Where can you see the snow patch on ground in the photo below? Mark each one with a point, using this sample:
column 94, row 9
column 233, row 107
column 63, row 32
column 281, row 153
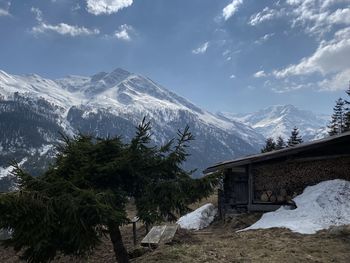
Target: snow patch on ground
column 199, row 218
column 318, row 207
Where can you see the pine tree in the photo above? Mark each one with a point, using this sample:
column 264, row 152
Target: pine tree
column 333, row 126
column 280, row 144
column 270, row 146
column 294, row 138
column 83, row 195
column 338, row 121
column 347, row 111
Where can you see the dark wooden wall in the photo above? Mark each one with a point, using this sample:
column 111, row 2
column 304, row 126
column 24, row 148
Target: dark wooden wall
column 235, row 192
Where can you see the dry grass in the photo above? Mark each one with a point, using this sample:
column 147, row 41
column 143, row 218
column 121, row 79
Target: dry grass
column 211, row 199
column 221, row 243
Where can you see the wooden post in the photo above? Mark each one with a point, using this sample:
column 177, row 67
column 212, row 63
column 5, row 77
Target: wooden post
column 134, row 233
column 220, row 203
column 250, row 187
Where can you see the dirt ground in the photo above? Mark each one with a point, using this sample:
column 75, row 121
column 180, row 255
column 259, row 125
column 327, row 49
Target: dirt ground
column 221, row 243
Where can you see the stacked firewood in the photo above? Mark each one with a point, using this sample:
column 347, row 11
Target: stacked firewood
column 280, row 182
column 280, row 196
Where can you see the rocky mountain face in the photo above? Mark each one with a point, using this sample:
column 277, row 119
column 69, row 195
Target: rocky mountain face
column 35, row 110
column 279, row 120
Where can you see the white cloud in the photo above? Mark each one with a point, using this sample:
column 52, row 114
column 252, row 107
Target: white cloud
column 327, row 3
column 231, row 9
column 330, row 60
column 38, row 14
column 264, row 38
column 124, row 32
column 201, row 49
column 318, row 17
column 5, row 9
column 233, row 76
column 342, row 34
column 328, row 66
column 76, row 7
column 102, row 7
column 286, row 85
column 4, row 12
column 340, row 16
column 61, row 28
column 64, row 29
column 330, row 57
column 250, row 87
column 315, row 17
column 260, row 74
column 336, row 82
column 227, row 55
column 265, row 15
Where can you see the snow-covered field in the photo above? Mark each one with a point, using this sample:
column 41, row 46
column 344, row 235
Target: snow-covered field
column 318, row 207
column 199, row 218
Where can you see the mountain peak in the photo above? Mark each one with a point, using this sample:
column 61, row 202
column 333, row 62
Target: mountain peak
column 280, row 107
column 114, row 77
column 33, row 76
column 98, row 76
column 279, row 120
column 3, row 73
column 4, row 76
column 120, row 71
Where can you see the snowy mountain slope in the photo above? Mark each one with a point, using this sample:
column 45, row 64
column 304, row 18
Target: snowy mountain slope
column 279, row 120
column 106, row 104
column 35, row 86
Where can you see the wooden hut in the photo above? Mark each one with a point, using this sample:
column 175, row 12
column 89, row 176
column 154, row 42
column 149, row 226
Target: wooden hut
column 264, row 182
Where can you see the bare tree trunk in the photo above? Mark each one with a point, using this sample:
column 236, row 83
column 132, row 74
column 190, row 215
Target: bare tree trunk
column 119, row 249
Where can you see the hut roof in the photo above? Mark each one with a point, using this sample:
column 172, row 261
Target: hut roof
column 300, row 148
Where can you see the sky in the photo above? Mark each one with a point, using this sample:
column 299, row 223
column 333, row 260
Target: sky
column 222, row 55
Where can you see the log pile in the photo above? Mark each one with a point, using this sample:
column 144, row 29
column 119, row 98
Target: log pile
column 280, row 196
column 280, row 182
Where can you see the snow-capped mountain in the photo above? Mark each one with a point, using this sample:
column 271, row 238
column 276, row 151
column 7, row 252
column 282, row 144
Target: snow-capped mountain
column 33, row 110
column 279, row 120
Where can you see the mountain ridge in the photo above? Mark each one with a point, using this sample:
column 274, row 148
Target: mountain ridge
column 279, row 120
column 108, row 104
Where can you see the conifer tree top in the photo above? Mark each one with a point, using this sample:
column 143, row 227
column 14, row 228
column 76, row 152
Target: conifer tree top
column 295, row 138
